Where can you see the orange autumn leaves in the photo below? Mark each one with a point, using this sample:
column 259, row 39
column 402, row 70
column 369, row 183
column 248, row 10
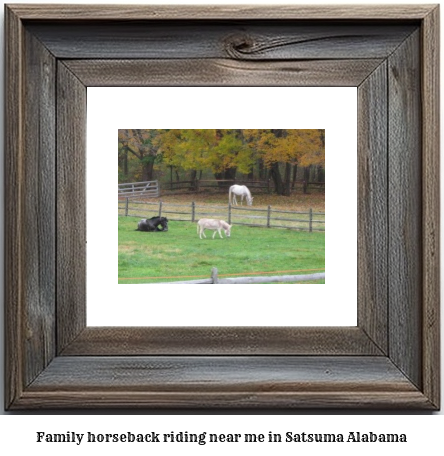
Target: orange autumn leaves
column 303, row 147
column 221, row 149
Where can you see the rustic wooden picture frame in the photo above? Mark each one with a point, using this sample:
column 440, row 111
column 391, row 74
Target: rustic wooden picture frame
column 390, row 360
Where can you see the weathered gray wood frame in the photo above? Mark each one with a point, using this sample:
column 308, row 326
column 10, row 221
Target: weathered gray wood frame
column 390, row 360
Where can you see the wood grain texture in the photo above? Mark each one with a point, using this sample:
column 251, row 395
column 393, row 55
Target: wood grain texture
column 430, row 93
column 234, row 382
column 71, row 206
column 206, row 373
column 221, row 72
column 30, row 223
column 127, row 341
column 372, row 207
column 13, row 210
column 219, row 12
column 263, row 40
column 405, row 209
column 259, row 401
column 38, row 222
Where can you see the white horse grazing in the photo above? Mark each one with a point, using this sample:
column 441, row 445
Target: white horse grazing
column 213, row 224
column 239, row 190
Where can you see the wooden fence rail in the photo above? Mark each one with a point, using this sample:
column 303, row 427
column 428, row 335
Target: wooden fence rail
column 216, row 184
column 257, row 186
column 248, row 216
column 215, row 279
column 133, row 189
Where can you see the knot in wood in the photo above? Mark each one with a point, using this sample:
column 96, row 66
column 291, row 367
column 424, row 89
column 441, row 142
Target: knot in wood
column 239, row 46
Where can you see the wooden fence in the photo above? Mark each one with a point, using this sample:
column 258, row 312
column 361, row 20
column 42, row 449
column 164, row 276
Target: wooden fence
column 239, row 215
column 219, row 185
column 222, row 185
column 132, row 189
column 214, row 279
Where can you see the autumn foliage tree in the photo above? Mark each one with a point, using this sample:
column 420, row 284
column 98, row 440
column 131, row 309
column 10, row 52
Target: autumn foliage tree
column 221, row 151
column 289, row 147
column 226, row 151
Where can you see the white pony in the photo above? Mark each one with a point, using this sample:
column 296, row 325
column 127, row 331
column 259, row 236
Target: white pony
column 239, row 190
column 213, row 224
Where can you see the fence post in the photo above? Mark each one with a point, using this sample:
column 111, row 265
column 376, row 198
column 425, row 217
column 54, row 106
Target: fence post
column 193, row 211
column 229, row 213
column 310, row 222
column 126, row 207
column 214, row 275
column 160, row 208
column 268, row 216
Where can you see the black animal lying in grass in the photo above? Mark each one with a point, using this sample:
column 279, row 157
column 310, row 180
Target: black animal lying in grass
column 152, row 224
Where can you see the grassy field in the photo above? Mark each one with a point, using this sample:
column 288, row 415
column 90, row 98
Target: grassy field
column 179, row 254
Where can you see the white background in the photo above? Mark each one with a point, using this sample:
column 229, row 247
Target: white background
column 329, row 304
column 17, row 432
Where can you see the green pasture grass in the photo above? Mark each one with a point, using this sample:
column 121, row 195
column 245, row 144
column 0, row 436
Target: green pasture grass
column 179, row 254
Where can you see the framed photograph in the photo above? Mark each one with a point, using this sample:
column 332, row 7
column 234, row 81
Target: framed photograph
column 57, row 55
column 278, row 238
